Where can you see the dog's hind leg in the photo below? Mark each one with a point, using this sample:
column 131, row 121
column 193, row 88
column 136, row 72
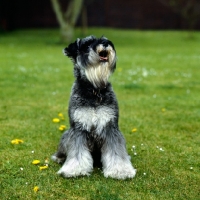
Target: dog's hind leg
column 79, row 160
column 61, row 154
column 58, row 157
column 115, row 160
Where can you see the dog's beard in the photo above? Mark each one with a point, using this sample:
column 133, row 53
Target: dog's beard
column 98, row 75
column 99, row 69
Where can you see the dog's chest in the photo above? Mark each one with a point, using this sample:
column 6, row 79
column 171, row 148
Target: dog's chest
column 94, row 118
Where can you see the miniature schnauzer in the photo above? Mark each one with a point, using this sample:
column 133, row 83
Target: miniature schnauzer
column 94, row 135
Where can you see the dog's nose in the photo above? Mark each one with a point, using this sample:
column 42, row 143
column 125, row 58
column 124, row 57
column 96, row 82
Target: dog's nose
column 103, row 53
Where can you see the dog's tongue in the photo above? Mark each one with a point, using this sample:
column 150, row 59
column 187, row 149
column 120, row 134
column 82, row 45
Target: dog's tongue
column 103, row 58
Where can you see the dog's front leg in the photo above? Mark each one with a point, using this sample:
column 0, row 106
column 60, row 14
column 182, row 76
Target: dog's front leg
column 115, row 160
column 79, row 160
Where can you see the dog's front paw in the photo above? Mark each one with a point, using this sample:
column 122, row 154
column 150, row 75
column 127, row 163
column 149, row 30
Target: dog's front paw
column 73, row 168
column 67, row 173
column 122, row 171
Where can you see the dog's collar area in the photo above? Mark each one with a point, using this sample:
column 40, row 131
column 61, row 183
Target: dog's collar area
column 94, row 93
column 98, row 94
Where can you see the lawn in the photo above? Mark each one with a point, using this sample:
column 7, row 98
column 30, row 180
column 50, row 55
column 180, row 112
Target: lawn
column 157, row 83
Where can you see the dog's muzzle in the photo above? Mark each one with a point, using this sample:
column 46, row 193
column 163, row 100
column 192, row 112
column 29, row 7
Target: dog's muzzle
column 103, row 56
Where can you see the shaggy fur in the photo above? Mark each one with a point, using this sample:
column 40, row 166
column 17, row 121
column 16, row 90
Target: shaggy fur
column 94, row 137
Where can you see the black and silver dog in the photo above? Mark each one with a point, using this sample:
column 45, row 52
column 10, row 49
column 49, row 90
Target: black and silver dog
column 94, row 135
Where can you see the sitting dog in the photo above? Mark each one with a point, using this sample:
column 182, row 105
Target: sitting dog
column 93, row 136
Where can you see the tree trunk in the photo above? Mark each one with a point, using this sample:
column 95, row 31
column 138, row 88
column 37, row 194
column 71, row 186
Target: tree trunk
column 68, row 19
column 73, row 11
column 67, row 33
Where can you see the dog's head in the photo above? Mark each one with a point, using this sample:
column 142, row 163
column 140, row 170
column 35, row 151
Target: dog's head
column 94, row 59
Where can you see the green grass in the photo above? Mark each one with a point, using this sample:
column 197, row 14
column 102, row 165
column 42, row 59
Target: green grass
column 157, row 83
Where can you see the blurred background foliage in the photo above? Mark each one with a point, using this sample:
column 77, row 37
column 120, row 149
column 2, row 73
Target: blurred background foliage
column 130, row 14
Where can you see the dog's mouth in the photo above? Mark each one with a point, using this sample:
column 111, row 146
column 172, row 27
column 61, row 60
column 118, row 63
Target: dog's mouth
column 103, row 56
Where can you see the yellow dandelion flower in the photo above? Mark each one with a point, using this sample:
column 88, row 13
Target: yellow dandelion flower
column 134, row 130
column 61, row 116
column 36, row 162
column 16, row 141
column 62, row 127
column 43, row 167
column 163, row 109
column 56, row 120
column 36, row 189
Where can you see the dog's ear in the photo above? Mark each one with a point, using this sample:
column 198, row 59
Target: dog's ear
column 72, row 50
